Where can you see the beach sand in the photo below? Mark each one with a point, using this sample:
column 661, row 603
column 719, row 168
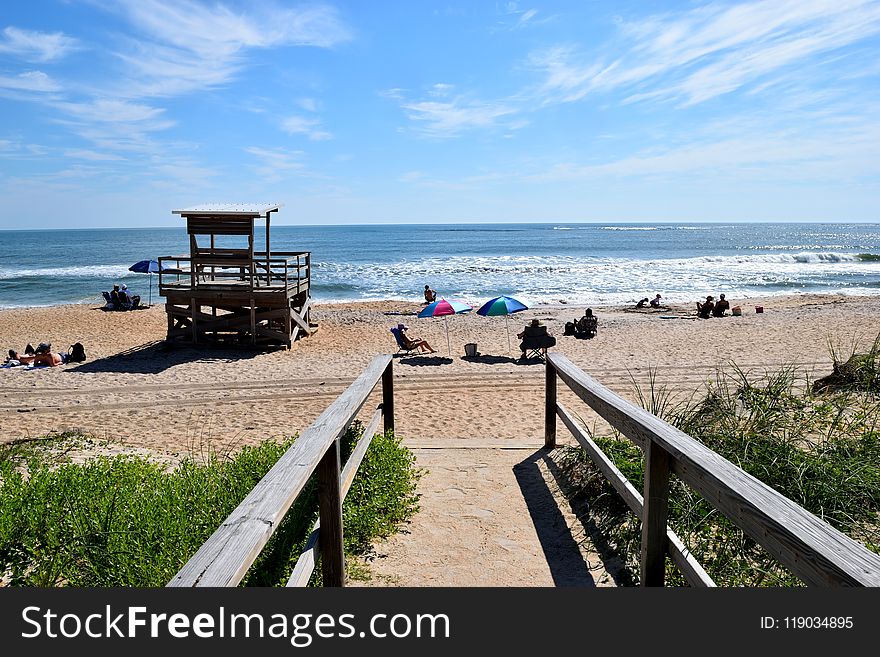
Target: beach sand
column 464, row 418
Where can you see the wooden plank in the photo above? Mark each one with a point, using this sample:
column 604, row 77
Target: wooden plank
column 388, row 396
column 302, row 571
column 193, row 310
column 330, row 517
column 614, row 476
column 225, row 557
column 272, row 334
column 655, row 509
column 681, row 556
column 549, row 406
column 686, row 563
column 810, row 548
column 253, row 311
column 303, row 324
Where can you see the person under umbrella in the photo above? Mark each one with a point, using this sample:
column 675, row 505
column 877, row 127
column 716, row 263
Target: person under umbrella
column 147, row 267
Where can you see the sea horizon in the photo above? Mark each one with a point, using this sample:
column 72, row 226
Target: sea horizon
column 541, row 263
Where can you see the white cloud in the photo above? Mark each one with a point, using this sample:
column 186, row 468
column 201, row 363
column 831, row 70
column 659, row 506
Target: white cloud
column 112, row 111
column 393, row 94
column 85, row 154
column 311, row 128
column 190, row 46
column 36, row 46
column 274, row 162
column 708, row 51
column 744, row 150
column 36, row 81
column 447, row 119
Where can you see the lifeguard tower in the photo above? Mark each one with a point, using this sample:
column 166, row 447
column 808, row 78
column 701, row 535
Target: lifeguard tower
column 225, row 290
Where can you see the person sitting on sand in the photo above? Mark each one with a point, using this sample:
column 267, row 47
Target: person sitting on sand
column 655, row 302
column 721, row 307
column 42, row 355
column 430, row 295
column 704, row 310
column 644, row 302
column 413, row 343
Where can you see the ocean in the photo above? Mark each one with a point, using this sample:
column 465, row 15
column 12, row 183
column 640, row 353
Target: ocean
column 536, row 263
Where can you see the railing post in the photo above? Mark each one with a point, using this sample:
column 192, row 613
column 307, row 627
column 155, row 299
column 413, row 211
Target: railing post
column 330, row 514
column 654, row 512
column 550, row 406
column 388, row 397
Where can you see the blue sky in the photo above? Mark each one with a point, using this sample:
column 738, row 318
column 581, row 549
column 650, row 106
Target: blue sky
column 115, row 113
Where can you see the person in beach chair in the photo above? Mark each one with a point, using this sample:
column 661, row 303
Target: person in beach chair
column 587, row 326
column 407, row 345
column 535, row 340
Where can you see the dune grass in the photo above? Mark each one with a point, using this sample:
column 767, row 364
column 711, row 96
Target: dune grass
column 127, row 521
column 822, row 451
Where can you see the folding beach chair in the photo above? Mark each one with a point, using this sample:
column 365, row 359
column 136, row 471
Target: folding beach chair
column 402, row 349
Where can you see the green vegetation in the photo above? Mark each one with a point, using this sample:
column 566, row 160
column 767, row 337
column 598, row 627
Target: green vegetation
column 125, row 521
column 822, row 451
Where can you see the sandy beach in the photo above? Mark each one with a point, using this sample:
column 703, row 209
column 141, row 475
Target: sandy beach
column 464, row 418
column 134, row 389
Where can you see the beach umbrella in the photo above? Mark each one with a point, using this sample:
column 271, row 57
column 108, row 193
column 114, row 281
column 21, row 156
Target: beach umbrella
column 147, row 267
column 502, row 305
column 443, row 308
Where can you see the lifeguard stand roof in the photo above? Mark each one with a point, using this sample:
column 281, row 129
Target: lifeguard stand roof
column 230, row 209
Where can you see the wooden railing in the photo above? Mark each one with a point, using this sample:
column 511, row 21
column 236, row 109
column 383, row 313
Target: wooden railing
column 810, row 548
column 224, row 559
column 281, row 270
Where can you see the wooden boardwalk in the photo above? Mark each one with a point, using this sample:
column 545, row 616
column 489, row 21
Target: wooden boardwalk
column 490, row 516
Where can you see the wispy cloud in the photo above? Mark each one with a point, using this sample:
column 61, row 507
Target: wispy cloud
column 35, row 81
column 116, row 111
column 36, row 46
column 447, row 119
column 746, row 150
column 188, row 46
column 95, row 156
column 514, row 18
column 273, row 163
column 311, row 128
column 708, row 51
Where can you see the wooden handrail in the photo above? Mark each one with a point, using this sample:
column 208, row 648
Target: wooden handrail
column 302, row 571
column 810, row 548
column 226, row 556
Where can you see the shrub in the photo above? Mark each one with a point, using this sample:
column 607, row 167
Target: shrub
column 823, row 452
column 125, row 521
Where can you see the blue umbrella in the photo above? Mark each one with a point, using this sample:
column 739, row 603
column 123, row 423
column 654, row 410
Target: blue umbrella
column 502, row 305
column 443, row 308
column 147, row 267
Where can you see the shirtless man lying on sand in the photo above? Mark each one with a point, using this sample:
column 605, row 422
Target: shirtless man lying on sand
column 42, row 356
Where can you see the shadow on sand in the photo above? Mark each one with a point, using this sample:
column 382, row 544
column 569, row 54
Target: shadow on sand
column 560, row 546
column 489, row 360
column 423, row 361
column 567, row 566
column 154, row 357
